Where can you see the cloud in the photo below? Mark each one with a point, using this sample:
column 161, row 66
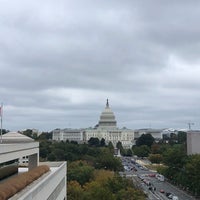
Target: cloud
column 60, row 61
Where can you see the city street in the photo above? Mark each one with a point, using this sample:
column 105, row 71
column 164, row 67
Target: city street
column 147, row 181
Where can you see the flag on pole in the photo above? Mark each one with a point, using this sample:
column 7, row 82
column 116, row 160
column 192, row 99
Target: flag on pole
column 1, row 112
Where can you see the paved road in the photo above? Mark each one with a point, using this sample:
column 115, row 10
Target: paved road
column 136, row 170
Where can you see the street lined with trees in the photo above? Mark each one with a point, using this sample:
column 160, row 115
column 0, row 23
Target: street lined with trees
column 92, row 172
column 179, row 168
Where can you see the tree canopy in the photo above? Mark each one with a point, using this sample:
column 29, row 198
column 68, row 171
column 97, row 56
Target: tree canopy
column 145, row 139
column 94, row 142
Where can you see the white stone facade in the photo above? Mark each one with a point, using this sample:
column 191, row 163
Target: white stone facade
column 125, row 136
column 68, row 134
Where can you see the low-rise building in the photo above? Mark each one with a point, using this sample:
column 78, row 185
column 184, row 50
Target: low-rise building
column 156, row 133
column 68, row 134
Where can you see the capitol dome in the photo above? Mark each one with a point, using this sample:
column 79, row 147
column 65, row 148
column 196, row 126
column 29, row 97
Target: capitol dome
column 107, row 118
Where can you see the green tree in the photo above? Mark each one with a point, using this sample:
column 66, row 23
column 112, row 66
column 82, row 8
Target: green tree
column 80, row 171
column 51, row 157
column 141, row 151
column 107, row 161
column 45, row 136
column 93, row 151
column 71, row 156
column 175, row 157
column 155, row 158
column 182, row 137
column 155, row 148
column 28, row 132
column 83, row 148
column 145, row 139
column 4, row 131
column 164, row 148
column 74, row 191
column 94, row 141
column 43, row 152
column 119, row 146
column 102, row 142
column 130, row 194
column 173, row 139
column 111, row 147
column 129, row 152
column 59, row 154
column 116, row 183
column 97, row 191
column 193, row 176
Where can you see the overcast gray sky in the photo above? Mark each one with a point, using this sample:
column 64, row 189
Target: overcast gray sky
column 60, row 61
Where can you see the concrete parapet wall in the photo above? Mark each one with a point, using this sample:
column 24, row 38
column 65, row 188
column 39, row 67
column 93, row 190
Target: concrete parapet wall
column 8, row 148
column 51, row 186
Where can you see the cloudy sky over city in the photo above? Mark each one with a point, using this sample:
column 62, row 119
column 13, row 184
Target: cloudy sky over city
column 60, row 61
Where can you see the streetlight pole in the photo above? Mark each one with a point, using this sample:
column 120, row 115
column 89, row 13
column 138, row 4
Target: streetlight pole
column 190, row 124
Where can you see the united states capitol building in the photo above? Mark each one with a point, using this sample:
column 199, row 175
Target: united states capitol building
column 106, row 128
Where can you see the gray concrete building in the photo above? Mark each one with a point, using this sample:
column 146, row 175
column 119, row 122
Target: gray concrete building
column 193, row 142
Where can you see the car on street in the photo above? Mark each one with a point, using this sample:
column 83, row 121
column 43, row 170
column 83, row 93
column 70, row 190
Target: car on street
column 162, row 191
column 169, row 195
column 152, row 175
column 175, row 198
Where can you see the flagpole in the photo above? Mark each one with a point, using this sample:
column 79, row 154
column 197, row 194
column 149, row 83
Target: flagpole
column 1, row 120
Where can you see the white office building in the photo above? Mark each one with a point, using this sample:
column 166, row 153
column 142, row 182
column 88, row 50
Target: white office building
column 51, row 185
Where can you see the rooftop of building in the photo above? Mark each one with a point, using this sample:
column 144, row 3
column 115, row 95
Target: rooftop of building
column 55, row 167
column 15, row 137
